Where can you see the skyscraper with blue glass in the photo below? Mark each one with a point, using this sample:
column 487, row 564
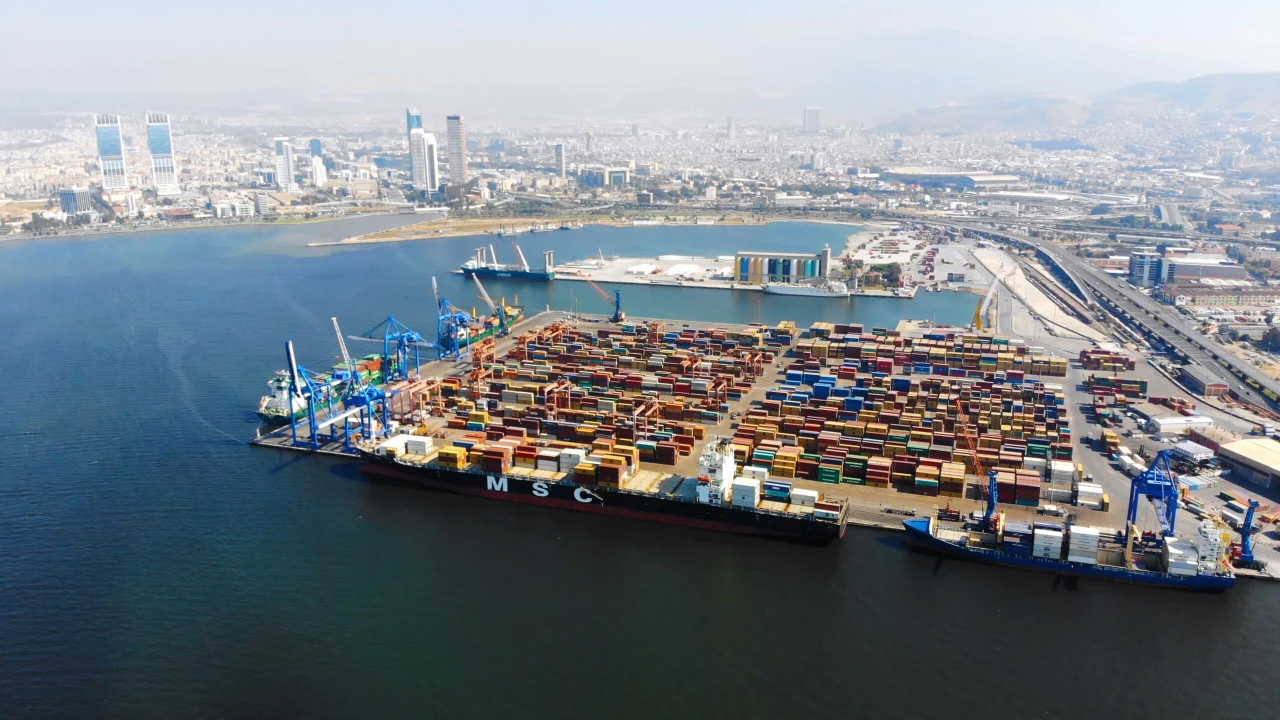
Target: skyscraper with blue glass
column 164, row 169
column 111, row 152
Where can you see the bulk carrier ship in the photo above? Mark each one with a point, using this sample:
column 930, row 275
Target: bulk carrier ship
column 717, row 499
column 485, row 265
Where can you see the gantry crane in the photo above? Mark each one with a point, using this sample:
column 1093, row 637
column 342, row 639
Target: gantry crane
column 1242, row 554
column 962, row 426
column 499, row 312
column 1159, row 484
column 452, row 327
column 616, row 301
column 360, row 395
column 400, row 347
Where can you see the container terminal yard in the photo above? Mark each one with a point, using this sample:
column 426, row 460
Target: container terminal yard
column 770, row 429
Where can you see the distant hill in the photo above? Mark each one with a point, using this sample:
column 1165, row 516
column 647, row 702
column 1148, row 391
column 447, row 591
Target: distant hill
column 1230, row 92
column 1027, row 113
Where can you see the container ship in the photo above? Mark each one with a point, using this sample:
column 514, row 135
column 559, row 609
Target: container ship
column 485, row 265
column 1071, row 549
column 281, row 405
column 833, row 289
column 577, row 478
column 1081, row 551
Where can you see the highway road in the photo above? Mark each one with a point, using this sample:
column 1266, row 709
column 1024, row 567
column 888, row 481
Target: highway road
column 1170, row 214
column 1172, row 327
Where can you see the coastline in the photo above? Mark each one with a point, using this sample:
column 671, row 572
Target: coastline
column 466, row 227
column 96, row 233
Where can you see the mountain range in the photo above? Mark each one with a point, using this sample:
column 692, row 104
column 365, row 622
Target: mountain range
column 1239, row 93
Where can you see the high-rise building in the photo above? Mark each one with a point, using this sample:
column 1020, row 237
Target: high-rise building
column 591, row 141
column 111, row 152
column 457, row 129
column 316, row 147
column 412, row 119
column 75, row 201
column 319, row 175
column 635, row 131
column 730, row 128
column 424, row 164
column 561, row 166
column 1144, row 267
column 286, row 170
column 164, row 169
column 812, row 122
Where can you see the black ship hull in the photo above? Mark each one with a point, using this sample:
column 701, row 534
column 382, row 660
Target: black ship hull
column 607, row 501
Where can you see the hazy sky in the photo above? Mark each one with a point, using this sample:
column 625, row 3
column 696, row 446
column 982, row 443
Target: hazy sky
column 133, row 46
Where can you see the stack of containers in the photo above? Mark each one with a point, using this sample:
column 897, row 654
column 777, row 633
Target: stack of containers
column 1048, row 541
column 548, row 460
column 1028, row 488
column 452, row 457
column 879, row 471
column 1089, row 495
column 569, row 459
column 1017, row 539
column 1180, row 558
column 951, row 480
column 928, row 477
column 1210, row 545
column 776, row 490
column 746, row 492
column 804, row 498
column 1082, row 544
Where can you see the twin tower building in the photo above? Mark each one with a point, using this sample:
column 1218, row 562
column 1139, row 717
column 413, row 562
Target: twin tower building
column 424, row 163
column 164, row 170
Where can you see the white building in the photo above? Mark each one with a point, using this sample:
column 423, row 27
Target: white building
column 164, row 169
column 424, row 164
column 319, row 175
column 812, row 122
column 286, row 170
column 730, row 128
column 457, row 129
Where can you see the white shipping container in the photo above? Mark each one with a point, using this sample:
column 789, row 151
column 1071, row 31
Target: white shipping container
column 756, row 473
column 1086, row 559
column 807, row 498
column 826, row 514
column 1089, row 490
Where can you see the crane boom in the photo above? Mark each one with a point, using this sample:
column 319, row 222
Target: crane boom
column 524, row 264
column 485, row 295
column 342, row 344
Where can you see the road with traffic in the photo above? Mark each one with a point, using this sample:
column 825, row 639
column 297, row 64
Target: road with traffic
column 1169, row 326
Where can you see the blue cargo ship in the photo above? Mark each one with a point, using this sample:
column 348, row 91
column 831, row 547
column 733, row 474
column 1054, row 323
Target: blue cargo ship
column 929, row 534
column 484, row 264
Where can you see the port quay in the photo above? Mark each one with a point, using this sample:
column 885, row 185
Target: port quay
column 802, row 431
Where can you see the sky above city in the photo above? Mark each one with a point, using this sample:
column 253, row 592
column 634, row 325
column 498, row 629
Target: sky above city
column 893, row 55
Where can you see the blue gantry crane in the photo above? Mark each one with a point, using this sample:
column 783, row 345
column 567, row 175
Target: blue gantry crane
column 1159, row 484
column 1244, row 557
column 452, row 327
column 401, row 348
column 360, row 397
column 989, row 517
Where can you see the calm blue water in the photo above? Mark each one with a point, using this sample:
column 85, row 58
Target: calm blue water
column 153, row 565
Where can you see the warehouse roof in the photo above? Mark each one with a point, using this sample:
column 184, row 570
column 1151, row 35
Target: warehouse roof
column 1261, row 453
column 1202, row 374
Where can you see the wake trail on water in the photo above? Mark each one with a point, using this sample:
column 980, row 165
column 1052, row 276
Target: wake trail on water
column 172, row 345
